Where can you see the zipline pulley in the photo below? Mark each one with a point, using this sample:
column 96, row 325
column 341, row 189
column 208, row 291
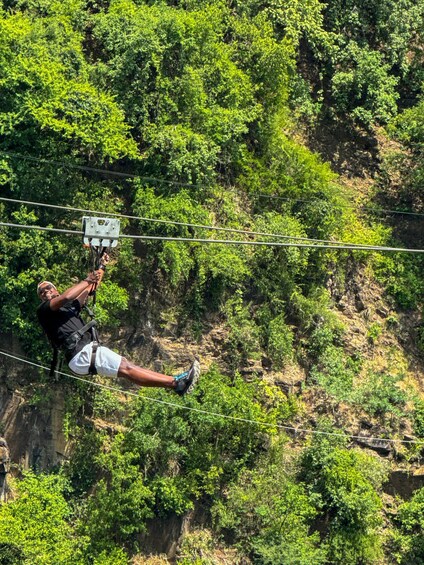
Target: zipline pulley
column 100, row 232
column 100, row 235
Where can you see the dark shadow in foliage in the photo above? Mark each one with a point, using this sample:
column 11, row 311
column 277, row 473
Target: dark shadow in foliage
column 350, row 151
column 10, row 554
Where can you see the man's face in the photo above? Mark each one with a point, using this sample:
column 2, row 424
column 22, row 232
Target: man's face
column 47, row 291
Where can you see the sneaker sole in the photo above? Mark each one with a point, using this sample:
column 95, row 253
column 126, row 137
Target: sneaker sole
column 196, row 375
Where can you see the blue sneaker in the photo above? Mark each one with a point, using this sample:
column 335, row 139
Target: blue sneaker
column 187, row 380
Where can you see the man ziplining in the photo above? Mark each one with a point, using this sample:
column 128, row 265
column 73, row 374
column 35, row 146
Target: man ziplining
column 59, row 316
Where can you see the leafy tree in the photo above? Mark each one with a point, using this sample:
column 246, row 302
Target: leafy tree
column 44, row 87
column 182, row 91
column 346, row 483
column 37, row 523
column 120, row 503
column 407, row 543
column 269, row 514
column 362, row 85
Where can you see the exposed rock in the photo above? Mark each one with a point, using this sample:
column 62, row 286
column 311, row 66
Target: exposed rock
column 382, row 311
column 404, row 484
column 253, row 367
column 366, row 424
column 162, row 536
column 290, row 385
column 35, row 436
column 382, row 446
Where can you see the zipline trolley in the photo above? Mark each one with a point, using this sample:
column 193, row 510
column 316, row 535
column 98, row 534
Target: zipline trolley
column 100, row 235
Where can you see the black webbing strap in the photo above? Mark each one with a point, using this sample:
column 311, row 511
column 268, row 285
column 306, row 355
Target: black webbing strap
column 72, row 340
column 55, row 362
column 92, row 370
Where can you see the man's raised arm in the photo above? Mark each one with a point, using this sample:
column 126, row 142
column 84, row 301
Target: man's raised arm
column 74, row 292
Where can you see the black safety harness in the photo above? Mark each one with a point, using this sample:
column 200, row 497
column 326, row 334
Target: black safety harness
column 71, row 342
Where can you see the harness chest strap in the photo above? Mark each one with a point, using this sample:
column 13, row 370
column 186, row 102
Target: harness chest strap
column 72, row 340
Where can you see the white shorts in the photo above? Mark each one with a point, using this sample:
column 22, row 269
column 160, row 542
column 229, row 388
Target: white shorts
column 107, row 361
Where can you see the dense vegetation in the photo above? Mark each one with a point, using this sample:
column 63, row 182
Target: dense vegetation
column 207, row 110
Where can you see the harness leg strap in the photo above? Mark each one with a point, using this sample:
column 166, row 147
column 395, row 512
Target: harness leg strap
column 92, row 370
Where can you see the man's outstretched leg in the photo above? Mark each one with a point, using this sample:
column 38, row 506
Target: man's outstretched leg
column 111, row 364
column 182, row 384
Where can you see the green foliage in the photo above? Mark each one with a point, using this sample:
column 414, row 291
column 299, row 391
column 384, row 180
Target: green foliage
column 407, row 543
column 369, row 56
column 418, row 417
column 169, row 64
column 112, row 301
column 44, row 86
column 206, row 450
column 335, row 373
column 166, row 459
column 402, row 277
column 408, row 129
column 288, row 169
column 280, row 341
column 276, row 270
column 346, row 483
column 207, row 93
column 362, row 85
column 10, row 554
column 243, row 340
column 374, row 332
column 83, row 471
column 411, row 515
column 115, row 556
column 269, row 514
column 120, row 503
column 379, row 395
column 313, row 312
column 105, row 403
column 37, row 523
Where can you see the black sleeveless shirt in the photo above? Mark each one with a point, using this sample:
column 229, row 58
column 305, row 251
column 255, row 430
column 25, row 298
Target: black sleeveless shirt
column 60, row 324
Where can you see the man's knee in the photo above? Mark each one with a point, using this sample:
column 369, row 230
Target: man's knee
column 125, row 366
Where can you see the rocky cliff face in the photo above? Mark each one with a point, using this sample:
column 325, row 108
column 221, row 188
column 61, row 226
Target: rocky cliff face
column 33, row 428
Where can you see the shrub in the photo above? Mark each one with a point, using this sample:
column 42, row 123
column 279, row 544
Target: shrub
column 334, row 373
column 346, row 483
column 407, row 543
column 280, row 341
column 37, row 523
column 243, row 340
column 269, row 514
column 418, row 417
column 379, row 394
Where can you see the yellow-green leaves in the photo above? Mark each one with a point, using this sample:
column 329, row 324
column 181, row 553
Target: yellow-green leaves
column 45, row 90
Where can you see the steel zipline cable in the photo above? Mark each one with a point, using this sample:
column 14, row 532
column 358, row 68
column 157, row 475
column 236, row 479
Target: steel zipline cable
column 340, row 205
column 330, row 242
column 121, row 174
column 294, row 429
column 174, row 223
column 226, row 241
